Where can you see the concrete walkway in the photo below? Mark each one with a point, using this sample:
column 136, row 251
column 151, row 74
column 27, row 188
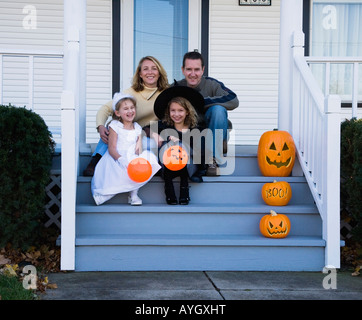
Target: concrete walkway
column 210, row 285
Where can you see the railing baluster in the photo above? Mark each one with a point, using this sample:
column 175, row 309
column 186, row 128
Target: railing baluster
column 327, row 61
column 355, row 90
column 1, row 78
column 327, row 79
column 31, row 82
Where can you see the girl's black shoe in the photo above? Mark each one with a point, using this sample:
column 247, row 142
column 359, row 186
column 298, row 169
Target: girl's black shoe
column 171, row 201
column 184, row 195
column 170, row 193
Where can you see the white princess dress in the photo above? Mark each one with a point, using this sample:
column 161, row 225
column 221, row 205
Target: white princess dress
column 110, row 176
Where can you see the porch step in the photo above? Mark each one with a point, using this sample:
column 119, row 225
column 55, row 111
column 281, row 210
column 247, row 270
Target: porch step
column 198, row 253
column 194, row 219
column 199, row 240
column 218, row 230
column 224, row 189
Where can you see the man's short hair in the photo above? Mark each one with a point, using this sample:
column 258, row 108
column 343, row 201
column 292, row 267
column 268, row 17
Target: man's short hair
column 193, row 55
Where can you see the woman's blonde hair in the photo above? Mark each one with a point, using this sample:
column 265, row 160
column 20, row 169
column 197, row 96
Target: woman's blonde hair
column 191, row 115
column 162, row 82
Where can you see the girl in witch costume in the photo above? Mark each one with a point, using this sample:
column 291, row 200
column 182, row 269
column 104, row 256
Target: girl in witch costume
column 175, row 106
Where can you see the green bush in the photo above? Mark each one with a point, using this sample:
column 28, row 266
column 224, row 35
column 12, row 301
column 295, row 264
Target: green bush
column 351, row 173
column 26, row 148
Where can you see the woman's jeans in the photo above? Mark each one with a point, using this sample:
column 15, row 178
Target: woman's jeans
column 147, row 144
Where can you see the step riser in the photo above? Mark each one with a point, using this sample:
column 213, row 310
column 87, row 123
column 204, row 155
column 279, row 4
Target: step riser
column 184, row 223
column 241, row 166
column 198, row 258
column 205, row 193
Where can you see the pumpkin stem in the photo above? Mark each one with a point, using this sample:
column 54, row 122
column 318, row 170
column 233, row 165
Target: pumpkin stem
column 273, row 213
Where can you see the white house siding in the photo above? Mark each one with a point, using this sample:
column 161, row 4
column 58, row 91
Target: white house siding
column 27, row 29
column 23, row 31
column 99, row 61
column 244, row 53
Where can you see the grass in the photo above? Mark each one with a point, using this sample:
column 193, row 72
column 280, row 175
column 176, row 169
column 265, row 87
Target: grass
column 12, row 289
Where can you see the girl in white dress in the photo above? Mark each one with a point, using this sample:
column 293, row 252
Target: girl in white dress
column 124, row 144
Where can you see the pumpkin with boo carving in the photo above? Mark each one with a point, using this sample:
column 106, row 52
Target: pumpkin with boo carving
column 276, row 193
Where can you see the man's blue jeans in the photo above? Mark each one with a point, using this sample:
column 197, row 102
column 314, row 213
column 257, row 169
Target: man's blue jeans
column 216, row 117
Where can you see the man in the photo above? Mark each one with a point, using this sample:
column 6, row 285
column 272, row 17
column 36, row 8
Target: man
column 218, row 100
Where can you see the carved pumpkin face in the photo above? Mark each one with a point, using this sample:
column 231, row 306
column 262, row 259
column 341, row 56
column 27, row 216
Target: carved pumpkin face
column 139, row 170
column 274, row 225
column 175, row 158
column 276, row 153
column 276, row 193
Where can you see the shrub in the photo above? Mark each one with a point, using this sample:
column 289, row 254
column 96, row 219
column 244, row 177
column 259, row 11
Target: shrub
column 351, row 173
column 26, row 148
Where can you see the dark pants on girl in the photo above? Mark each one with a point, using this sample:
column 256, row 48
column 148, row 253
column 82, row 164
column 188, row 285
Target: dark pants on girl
column 168, row 176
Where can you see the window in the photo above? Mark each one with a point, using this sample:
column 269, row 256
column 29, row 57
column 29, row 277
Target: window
column 161, row 30
column 337, row 32
column 337, row 28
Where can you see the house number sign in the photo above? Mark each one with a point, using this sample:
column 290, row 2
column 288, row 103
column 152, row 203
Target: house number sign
column 255, row 2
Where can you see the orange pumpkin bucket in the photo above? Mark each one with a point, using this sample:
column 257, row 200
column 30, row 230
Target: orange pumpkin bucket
column 139, row 170
column 175, row 158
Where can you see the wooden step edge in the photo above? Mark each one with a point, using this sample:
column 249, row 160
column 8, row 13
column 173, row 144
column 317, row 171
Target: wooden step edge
column 196, row 240
column 197, row 208
column 223, row 178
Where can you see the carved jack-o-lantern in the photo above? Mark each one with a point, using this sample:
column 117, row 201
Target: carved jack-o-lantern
column 276, row 153
column 175, row 158
column 274, row 225
column 276, row 193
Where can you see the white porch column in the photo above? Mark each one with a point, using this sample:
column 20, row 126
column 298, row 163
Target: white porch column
column 72, row 121
column 75, row 32
column 291, row 20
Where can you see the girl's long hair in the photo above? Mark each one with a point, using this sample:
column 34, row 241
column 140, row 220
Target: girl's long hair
column 191, row 115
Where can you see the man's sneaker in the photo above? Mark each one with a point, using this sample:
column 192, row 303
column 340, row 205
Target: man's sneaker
column 213, row 169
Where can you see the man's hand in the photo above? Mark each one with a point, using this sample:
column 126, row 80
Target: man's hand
column 103, row 133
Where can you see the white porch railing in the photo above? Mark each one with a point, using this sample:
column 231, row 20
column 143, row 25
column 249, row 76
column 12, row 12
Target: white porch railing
column 30, row 58
column 355, row 62
column 316, row 131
